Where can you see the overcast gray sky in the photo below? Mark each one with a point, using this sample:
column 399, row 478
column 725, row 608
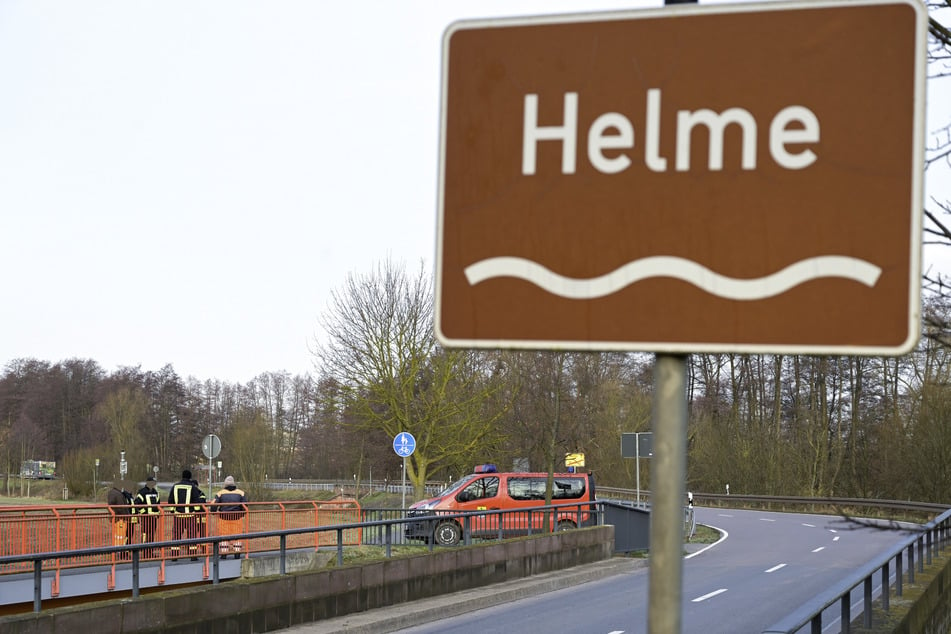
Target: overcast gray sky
column 187, row 182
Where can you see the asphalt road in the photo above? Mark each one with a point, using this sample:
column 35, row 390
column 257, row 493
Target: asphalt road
column 765, row 566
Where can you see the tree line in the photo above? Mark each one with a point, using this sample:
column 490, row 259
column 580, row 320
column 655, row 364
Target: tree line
column 768, row 424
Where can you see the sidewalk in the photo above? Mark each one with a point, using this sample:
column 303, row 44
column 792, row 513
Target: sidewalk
column 389, row 619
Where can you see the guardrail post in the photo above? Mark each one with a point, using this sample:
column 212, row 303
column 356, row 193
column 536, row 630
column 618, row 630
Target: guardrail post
column 283, row 554
column 37, row 584
column 340, row 547
column 135, row 574
column 899, row 571
column 885, row 588
column 911, row 563
column 431, row 531
column 388, row 540
column 929, row 537
column 845, row 615
column 215, row 550
column 867, row 602
column 467, row 530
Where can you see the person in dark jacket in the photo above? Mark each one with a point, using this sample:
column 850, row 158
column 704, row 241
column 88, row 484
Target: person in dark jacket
column 229, row 503
column 147, row 511
column 187, row 502
column 120, row 503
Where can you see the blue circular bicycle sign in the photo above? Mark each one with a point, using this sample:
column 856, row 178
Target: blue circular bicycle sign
column 404, row 444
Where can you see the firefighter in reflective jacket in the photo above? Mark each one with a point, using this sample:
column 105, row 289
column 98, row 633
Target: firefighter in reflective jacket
column 147, row 511
column 187, row 502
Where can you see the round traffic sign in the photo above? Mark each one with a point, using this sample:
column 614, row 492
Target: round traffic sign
column 211, row 446
column 404, row 444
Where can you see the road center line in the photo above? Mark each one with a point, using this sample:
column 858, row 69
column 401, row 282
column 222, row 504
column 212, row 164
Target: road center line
column 819, row 548
column 776, row 567
column 709, row 595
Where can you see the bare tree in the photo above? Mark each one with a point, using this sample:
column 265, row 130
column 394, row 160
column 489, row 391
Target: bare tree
column 249, row 440
column 124, row 412
column 938, row 153
column 381, row 351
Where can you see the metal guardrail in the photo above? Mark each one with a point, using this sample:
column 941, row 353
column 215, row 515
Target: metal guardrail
column 931, row 539
column 26, row 530
column 789, row 501
column 363, row 487
column 472, row 522
column 786, row 501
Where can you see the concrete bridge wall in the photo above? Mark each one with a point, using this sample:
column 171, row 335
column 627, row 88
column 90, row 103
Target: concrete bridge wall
column 264, row 604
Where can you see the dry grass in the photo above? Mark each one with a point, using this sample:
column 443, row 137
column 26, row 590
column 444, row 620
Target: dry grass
column 41, row 492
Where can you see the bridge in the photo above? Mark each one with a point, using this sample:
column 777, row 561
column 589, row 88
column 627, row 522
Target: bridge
column 94, row 545
column 320, row 534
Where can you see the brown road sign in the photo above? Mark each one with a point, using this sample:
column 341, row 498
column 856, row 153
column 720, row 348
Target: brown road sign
column 742, row 178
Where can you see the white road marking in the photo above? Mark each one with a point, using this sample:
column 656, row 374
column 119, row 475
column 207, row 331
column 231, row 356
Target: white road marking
column 809, row 525
column 776, row 567
column 723, row 536
column 836, row 538
column 819, row 548
column 766, row 519
column 709, row 595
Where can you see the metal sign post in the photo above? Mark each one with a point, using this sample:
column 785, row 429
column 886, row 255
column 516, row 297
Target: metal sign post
column 668, row 481
column 404, row 444
column 633, row 446
column 644, row 448
column 211, row 447
column 637, row 467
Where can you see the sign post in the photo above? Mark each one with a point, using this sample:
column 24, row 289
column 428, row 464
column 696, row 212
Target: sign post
column 690, row 179
column 210, row 447
column 404, row 444
column 668, row 483
column 634, row 445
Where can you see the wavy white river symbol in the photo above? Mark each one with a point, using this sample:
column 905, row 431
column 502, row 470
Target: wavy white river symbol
column 680, row 268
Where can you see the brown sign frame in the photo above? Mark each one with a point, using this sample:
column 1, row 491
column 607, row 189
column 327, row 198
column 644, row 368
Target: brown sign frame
column 574, row 213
